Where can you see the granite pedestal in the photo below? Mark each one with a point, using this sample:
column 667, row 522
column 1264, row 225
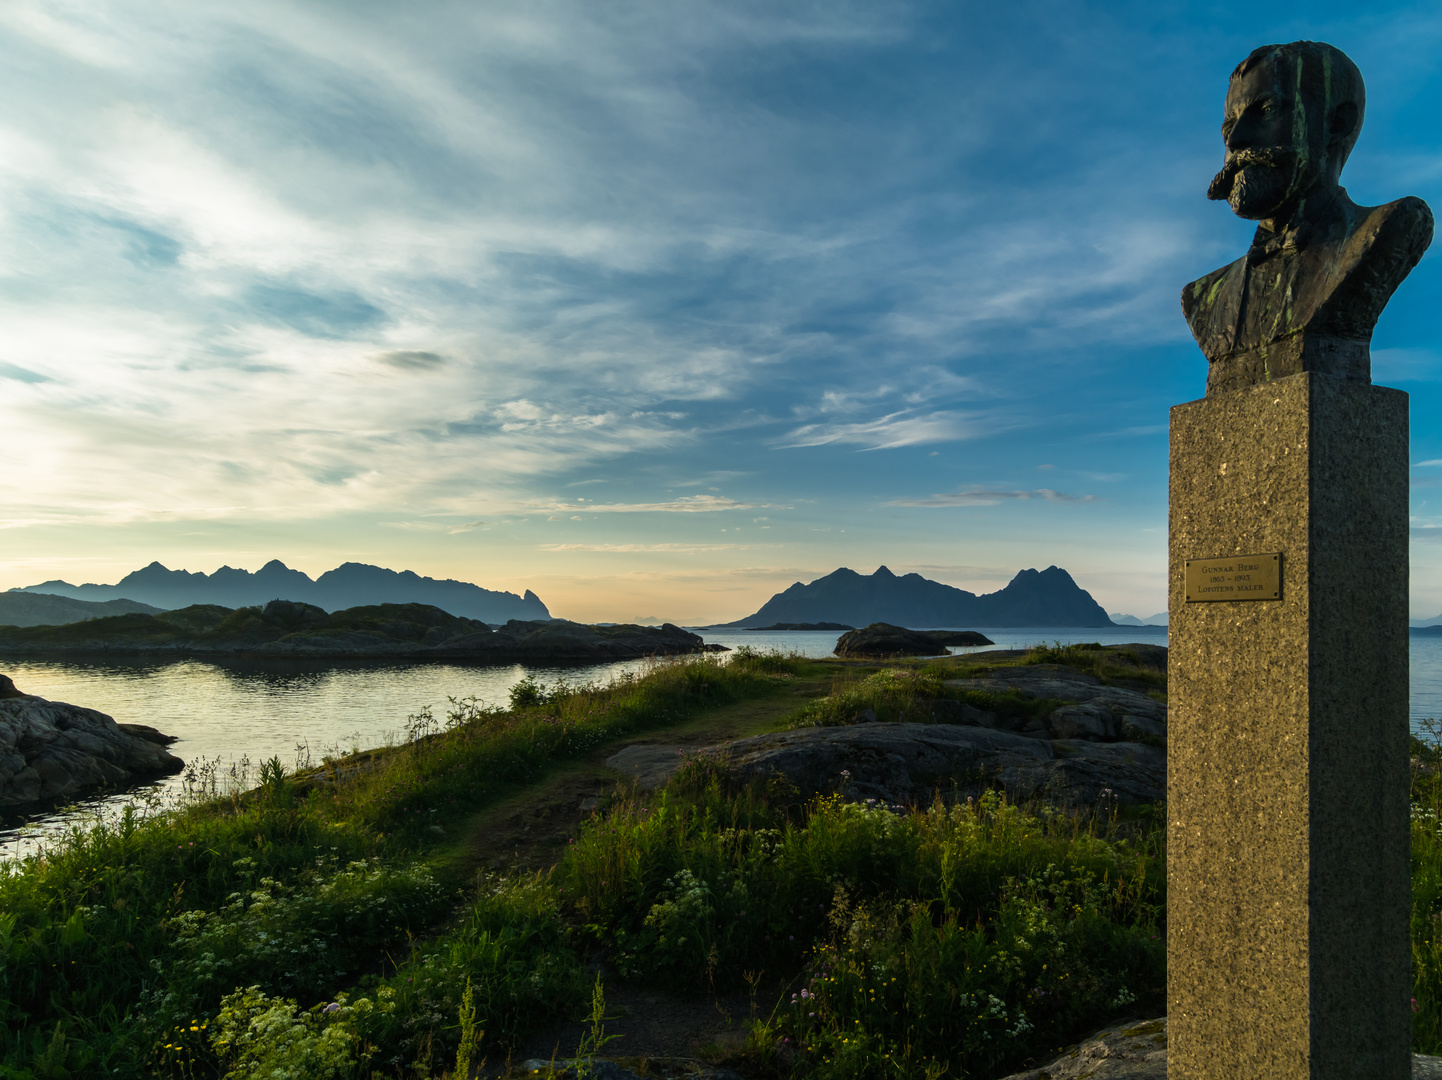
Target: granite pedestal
column 1287, row 864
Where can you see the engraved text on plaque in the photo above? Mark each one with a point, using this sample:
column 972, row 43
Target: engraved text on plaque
column 1234, row 577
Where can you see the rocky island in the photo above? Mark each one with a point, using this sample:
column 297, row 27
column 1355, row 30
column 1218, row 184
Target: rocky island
column 882, row 639
column 285, row 628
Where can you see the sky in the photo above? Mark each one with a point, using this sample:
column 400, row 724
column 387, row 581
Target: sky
column 653, row 308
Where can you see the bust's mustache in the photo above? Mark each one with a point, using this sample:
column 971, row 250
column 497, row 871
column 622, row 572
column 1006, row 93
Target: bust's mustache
column 1268, row 157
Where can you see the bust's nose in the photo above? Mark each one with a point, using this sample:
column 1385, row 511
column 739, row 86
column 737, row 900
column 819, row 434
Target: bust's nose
column 1243, row 133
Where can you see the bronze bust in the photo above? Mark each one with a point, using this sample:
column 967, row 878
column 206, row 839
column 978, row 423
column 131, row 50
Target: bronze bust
column 1321, row 268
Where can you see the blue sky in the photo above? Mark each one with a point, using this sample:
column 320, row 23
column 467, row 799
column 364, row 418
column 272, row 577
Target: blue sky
column 653, row 308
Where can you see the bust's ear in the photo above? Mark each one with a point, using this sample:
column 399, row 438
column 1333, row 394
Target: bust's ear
column 1343, row 122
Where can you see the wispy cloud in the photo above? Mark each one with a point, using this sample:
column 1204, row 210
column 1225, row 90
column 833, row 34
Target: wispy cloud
column 686, row 504
column 676, row 548
column 411, row 359
column 896, row 429
column 991, row 497
column 20, row 374
column 456, row 529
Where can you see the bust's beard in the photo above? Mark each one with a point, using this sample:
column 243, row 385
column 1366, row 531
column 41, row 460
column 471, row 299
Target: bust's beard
column 1256, row 183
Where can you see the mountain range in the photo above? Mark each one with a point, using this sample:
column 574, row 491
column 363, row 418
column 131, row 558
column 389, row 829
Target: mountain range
column 348, row 585
column 1033, row 598
column 1159, row 619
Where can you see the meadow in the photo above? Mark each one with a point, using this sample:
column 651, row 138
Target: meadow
column 337, row 922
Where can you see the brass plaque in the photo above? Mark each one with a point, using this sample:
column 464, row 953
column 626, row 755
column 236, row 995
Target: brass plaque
column 1234, row 577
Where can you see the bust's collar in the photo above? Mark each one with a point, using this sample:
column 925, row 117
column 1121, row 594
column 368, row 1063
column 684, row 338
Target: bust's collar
column 1312, row 220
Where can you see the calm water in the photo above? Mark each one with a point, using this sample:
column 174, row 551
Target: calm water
column 230, row 713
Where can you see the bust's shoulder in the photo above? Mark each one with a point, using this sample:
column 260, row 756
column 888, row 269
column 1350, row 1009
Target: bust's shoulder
column 1406, row 223
column 1201, row 295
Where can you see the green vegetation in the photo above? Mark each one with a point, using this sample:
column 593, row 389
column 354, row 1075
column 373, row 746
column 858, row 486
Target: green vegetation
column 1427, row 890
column 334, row 923
column 131, row 935
column 1112, row 664
column 954, row 938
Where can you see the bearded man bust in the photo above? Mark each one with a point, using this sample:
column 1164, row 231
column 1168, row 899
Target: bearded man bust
column 1307, row 296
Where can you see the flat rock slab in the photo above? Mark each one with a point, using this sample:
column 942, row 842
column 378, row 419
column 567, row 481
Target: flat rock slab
column 902, row 763
column 1137, row 1050
column 649, row 764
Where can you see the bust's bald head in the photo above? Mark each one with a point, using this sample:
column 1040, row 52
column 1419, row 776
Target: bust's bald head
column 1293, row 115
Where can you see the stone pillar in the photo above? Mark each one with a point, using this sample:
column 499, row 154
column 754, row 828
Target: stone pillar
column 1288, row 886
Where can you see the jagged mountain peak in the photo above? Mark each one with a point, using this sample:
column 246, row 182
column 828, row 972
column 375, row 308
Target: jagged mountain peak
column 352, row 584
column 1032, row 598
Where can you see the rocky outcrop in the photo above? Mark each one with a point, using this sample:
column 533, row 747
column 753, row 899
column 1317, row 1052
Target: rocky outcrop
column 905, row 763
column 1137, row 1050
column 51, row 752
column 1088, row 709
column 1044, row 731
column 882, row 639
column 286, row 628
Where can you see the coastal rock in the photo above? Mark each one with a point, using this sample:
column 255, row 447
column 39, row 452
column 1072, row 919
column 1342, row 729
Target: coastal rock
column 1087, row 720
column 883, row 639
column 51, row 751
column 1134, row 1050
column 903, row 763
column 1090, row 710
column 1137, row 1050
column 148, row 733
column 1099, row 744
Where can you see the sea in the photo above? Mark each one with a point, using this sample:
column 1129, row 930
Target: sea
column 231, row 715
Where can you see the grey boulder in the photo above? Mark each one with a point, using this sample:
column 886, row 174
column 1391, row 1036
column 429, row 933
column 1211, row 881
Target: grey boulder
column 51, row 752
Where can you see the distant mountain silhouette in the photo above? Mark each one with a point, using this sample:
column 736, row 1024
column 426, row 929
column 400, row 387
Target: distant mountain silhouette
column 1033, row 598
column 37, row 609
column 1159, row 619
column 348, row 585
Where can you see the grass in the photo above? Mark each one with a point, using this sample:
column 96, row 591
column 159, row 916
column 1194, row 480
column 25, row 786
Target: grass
column 1427, row 890
column 134, row 929
column 961, row 937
